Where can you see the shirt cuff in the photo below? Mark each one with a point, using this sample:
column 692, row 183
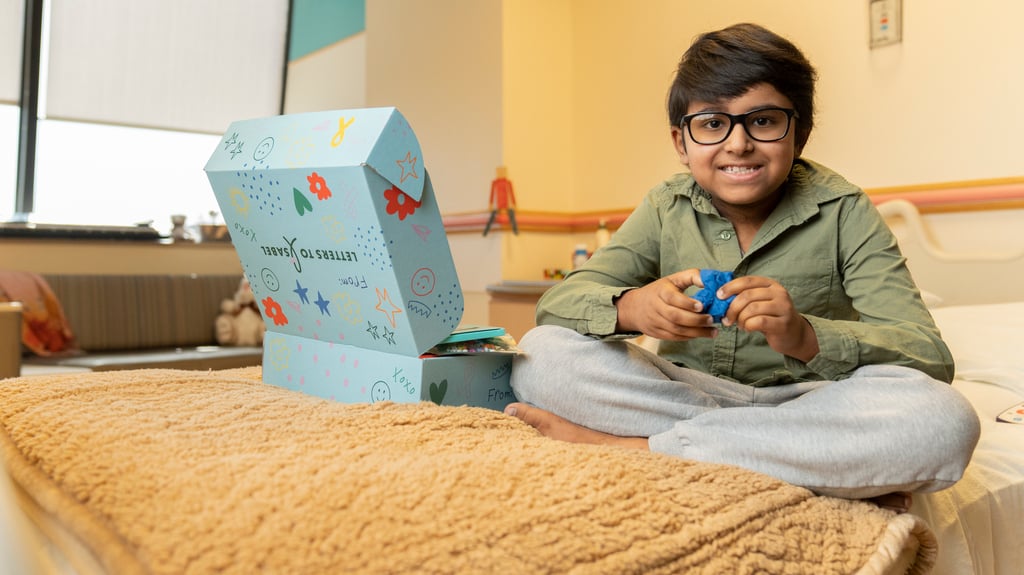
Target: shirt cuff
column 838, row 351
column 603, row 316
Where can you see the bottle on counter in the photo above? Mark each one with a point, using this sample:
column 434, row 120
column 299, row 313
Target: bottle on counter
column 580, row 256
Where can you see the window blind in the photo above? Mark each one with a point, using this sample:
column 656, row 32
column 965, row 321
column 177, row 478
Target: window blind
column 12, row 16
column 191, row 65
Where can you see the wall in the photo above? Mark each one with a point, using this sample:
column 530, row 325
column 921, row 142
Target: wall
column 439, row 63
column 887, row 116
column 317, row 81
column 569, row 94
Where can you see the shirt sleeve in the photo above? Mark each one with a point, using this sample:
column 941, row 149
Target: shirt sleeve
column 585, row 300
column 894, row 326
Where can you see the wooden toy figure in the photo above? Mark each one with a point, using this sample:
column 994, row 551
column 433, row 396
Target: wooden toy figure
column 502, row 198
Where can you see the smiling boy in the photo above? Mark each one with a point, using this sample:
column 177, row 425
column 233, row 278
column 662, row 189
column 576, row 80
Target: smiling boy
column 827, row 371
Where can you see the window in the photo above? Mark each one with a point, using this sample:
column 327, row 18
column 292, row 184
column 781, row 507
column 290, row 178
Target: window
column 103, row 174
column 133, row 98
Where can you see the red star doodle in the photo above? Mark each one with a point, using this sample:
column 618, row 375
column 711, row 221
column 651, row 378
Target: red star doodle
column 385, row 306
column 274, row 311
column 409, row 161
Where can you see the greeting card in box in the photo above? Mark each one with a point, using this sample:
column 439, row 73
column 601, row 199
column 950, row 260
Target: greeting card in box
column 336, row 224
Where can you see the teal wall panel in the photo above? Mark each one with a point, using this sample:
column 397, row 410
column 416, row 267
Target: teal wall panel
column 320, row 23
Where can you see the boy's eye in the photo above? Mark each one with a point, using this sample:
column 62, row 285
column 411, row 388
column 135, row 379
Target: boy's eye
column 762, row 120
column 710, row 122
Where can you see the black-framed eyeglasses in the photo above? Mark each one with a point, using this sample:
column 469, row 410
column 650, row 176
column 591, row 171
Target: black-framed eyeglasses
column 763, row 125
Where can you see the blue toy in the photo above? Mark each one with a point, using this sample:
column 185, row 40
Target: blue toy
column 714, row 279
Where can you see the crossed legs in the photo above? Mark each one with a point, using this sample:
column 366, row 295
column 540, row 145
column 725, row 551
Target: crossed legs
column 885, row 429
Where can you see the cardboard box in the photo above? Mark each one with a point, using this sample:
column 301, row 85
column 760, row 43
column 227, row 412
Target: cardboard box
column 335, row 222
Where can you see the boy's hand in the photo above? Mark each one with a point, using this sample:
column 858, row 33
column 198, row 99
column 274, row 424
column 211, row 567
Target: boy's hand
column 763, row 305
column 660, row 309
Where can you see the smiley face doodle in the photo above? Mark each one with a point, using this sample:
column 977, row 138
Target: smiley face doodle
column 380, row 392
column 270, row 279
column 299, row 152
column 263, row 149
column 423, row 282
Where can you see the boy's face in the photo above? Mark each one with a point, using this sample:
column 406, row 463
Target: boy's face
column 743, row 175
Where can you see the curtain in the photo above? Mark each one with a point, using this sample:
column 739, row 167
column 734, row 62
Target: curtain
column 190, row 65
column 12, row 14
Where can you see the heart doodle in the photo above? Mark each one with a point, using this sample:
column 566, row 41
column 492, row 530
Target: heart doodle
column 438, row 391
column 302, row 203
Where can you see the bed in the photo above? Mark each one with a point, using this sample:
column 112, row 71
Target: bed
column 167, row 471
column 162, row 471
column 978, row 522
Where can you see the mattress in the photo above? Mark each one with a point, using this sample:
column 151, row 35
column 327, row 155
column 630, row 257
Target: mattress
column 978, row 522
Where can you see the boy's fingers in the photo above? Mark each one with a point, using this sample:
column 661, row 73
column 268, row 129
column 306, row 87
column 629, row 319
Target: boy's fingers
column 686, row 278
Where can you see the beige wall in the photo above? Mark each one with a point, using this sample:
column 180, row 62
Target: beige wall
column 887, row 116
column 439, row 62
column 569, row 94
column 538, row 133
column 333, row 78
column 922, row 111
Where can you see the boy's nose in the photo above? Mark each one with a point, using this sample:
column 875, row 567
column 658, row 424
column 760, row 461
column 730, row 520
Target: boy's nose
column 739, row 140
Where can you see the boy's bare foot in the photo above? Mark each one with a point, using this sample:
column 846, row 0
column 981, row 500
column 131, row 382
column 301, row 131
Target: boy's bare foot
column 556, row 427
column 898, row 501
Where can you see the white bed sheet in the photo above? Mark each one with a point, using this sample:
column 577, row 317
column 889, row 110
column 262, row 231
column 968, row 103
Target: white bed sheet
column 979, row 522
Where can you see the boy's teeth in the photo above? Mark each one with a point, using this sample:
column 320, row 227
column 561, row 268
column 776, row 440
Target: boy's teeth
column 738, row 169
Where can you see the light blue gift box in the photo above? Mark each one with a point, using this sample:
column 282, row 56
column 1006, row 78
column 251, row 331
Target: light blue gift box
column 337, row 228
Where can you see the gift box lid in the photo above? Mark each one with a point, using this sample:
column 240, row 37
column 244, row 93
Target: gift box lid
column 335, row 221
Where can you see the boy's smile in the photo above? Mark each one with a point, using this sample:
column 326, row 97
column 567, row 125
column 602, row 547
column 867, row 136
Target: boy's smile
column 742, row 175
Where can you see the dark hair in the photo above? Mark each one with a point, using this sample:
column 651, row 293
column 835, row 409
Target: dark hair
column 725, row 64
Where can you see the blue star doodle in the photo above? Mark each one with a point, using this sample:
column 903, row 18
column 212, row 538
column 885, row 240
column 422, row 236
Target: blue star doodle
column 372, row 330
column 301, row 292
column 389, row 336
column 322, row 304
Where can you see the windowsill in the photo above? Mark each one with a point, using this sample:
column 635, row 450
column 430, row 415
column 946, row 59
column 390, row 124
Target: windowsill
column 78, row 232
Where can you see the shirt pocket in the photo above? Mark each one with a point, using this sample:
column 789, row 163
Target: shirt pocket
column 812, row 284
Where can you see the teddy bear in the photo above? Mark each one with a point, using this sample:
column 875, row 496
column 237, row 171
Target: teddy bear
column 240, row 322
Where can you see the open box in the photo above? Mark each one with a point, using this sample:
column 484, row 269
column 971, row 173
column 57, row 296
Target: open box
column 338, row 230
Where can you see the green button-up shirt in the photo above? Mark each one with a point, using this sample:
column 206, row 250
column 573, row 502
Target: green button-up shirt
column 825, row 243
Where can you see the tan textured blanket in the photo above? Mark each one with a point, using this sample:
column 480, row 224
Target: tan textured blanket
column 190, row 472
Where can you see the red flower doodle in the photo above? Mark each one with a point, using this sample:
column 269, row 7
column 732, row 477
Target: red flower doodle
column 318, row 186
column 399, row 202
column 274, row 311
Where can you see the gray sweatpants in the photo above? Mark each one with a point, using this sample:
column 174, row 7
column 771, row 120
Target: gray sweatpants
column 884, row 429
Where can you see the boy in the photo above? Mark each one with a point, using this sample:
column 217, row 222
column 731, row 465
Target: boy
column 826, row 371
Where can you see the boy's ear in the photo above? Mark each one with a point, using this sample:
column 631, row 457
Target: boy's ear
column 679, row 142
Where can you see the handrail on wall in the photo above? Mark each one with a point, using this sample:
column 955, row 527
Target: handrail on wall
column 996, row 194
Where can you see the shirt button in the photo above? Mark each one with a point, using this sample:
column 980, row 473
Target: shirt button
column 725, row 235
